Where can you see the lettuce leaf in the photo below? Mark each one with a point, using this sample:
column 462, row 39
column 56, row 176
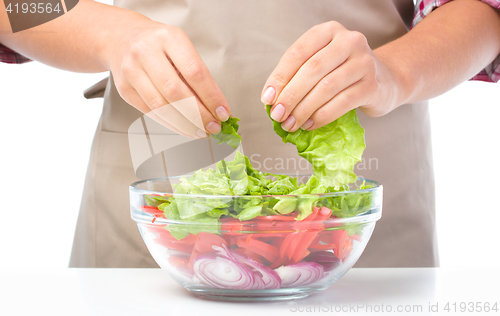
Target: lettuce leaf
column 229, row 133
column 155, row 200
column 333, row 149
column 207, row 222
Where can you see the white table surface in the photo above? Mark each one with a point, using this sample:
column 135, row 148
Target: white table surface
column 152, row 292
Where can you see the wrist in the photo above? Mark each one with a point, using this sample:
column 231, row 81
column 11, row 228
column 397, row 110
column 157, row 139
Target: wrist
column 402, row 79
column 117, row 38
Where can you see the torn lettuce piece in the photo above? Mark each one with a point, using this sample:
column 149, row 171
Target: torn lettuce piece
column 206, row 222
column 333, row 149
column 195, row 225
column 250, row 212
column 189, row 207
column 306, row 203
column 204, row 182
column 283, row 186
column 286, row 205
column 235, row 172
column 229, row 133
column 156, row 200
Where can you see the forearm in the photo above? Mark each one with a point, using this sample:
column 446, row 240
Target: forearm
column 448, row 47
column 77, row 41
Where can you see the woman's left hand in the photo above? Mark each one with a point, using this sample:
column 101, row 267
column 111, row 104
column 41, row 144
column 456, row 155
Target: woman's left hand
column 327, row 72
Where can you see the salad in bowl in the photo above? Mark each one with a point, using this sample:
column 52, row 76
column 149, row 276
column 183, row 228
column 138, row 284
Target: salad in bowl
column 236, row 233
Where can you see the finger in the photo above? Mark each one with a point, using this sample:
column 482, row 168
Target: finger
column 310, row 73
column 197, row 75
column 160, row 106
column 336, row 81
column 350, row 98
column 306, row 46
column 178, row 94
column 133, row 98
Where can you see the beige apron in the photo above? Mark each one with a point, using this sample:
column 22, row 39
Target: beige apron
column 241, row 42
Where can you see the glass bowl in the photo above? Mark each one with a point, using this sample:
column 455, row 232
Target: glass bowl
column 274, row 257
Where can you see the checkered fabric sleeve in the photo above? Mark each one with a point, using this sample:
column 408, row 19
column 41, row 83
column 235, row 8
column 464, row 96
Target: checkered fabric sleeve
column 9, row 56
column 423, row 7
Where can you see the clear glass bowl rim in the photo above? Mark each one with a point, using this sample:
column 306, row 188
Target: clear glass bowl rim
column 133, row 187
column 369, row 216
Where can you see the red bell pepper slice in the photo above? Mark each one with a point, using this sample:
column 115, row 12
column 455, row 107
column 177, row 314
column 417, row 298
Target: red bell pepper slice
column 235, row 226
column 278, row 263
column 269, row 236
column 231, row 226
column 250, row 254
column 193, row 256
column 323, row 214
column 296, row 246
column 269, row 252
column 301, row 249
column 273, row 226
column 277, row 241
column 286, row 244
column 255, row 256
column 205, row 242
column 153, row 210
column 340, row 238
column 322, row 246
column 305, row 254
column 276, row 218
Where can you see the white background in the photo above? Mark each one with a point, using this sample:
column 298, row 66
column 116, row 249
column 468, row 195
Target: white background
column 47, row 128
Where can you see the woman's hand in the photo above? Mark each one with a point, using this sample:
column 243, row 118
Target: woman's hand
column 157, row 70
column 326, row 73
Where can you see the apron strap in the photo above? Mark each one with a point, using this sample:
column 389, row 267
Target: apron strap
column 97, row 90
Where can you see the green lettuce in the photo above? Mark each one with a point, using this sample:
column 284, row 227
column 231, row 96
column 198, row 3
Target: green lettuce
column 155, row 200
column 206, row 222
column 229, row 133
column 348, row 205
column 333, row 149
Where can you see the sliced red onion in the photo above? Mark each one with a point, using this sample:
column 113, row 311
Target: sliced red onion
column 300, row 274
column 327, row 259
column 269, row 276
column 223, row 273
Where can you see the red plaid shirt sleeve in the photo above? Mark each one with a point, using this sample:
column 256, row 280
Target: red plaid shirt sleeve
column 423, row 7
column 9, row 56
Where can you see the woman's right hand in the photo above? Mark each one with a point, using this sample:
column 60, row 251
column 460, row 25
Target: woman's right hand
column 157, row 70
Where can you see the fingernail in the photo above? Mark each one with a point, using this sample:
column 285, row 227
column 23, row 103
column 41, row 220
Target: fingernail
column 268, row 96
column 201, row 133
column 213, row 128
column 222, row 113
column 288, row 123
column 278, row 112
column 307, row 124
